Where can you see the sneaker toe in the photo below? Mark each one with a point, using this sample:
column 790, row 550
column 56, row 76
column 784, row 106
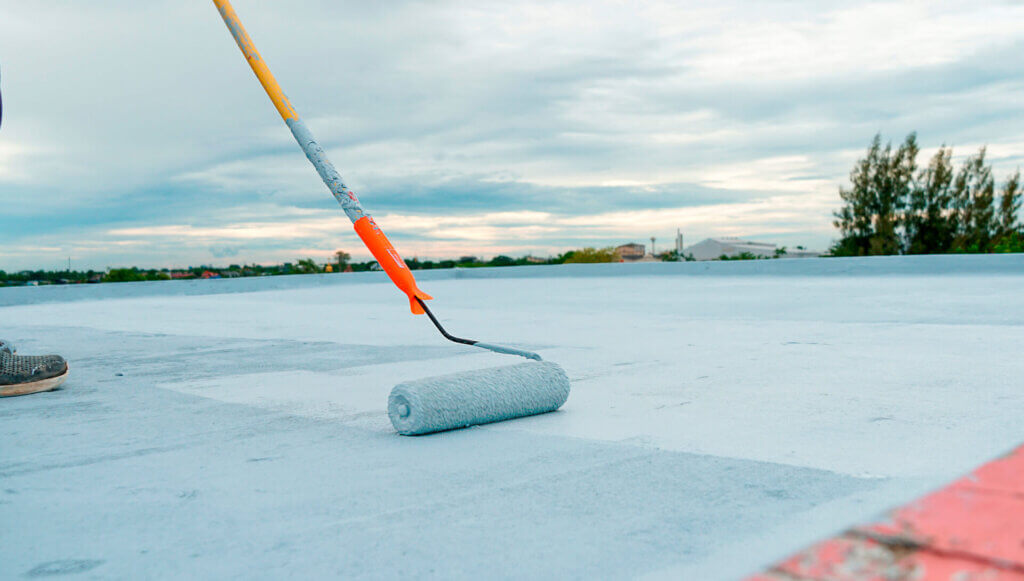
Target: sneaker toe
column 51, row 366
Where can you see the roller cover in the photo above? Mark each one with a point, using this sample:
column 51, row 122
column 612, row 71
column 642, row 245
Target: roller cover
column 464, row 399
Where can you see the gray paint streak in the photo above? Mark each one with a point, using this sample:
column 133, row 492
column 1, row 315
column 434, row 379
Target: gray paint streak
column 315, row 154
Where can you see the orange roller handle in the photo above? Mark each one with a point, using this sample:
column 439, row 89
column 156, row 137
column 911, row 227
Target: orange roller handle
column 390, row 261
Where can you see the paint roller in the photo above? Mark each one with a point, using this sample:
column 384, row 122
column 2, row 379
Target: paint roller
column 437, row 403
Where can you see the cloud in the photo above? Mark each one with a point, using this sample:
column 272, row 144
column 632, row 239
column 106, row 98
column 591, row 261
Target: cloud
column 225, row 251
column 735, row 117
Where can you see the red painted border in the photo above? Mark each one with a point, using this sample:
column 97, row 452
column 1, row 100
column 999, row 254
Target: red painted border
column 971, row 530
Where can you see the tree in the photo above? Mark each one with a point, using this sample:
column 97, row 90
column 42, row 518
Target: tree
column 894, row 180
column 890, row 207
column 123, row 275
column 742, row 256
column 342, row 257
column 1010, row 238
column 927, row 224
column 306, row 266
column 1009, row 204
column 881, row 183
column 502, row 260
column 563, row 257
column 591, row 255
column 854, row 219
column 973, row 212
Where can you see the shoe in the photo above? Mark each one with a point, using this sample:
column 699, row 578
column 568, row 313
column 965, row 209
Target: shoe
column 21, row 375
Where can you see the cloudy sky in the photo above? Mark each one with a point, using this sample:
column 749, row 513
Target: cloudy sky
column 134, row 132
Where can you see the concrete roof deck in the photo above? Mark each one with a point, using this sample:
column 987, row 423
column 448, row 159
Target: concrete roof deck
column 723, row 415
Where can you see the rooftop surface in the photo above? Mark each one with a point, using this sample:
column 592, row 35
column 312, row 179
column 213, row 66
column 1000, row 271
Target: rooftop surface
column 723, row 416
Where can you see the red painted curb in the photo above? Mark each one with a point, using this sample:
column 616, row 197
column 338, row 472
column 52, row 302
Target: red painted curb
column 971, row 530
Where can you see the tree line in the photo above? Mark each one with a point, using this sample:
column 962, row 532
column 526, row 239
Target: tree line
column 893, row 206
column 341, row 263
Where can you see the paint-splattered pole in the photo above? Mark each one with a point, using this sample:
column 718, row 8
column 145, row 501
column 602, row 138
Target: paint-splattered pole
column 366, row 228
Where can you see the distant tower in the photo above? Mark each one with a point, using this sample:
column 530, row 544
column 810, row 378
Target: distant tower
column 653, row 252
column 679, row 242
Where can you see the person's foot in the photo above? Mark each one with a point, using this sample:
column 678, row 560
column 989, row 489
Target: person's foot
column 21, row 375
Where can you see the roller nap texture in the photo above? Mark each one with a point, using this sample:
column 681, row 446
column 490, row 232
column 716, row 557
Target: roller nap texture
column 464, row 399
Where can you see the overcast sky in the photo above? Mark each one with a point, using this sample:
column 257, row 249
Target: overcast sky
column 135, row 134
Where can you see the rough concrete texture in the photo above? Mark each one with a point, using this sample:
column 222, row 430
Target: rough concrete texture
column 716, row 424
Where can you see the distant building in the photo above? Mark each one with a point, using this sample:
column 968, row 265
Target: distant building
column 535, row 260
column 715, row 248
column 179, row 274
column 631, row 252
column 208, row 274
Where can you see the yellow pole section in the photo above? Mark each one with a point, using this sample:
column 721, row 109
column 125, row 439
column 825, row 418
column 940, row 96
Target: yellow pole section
column 252, row 56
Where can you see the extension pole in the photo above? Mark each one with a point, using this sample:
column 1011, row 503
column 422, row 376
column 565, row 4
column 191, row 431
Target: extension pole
column 365, row 227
